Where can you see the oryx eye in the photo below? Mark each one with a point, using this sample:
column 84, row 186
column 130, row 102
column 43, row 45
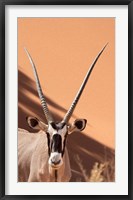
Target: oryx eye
column 53, row 125
column 63, row 124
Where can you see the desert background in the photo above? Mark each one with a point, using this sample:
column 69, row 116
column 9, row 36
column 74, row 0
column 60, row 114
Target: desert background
column 62, row 50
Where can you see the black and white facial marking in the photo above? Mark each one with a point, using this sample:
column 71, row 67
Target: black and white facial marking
column 57, row 134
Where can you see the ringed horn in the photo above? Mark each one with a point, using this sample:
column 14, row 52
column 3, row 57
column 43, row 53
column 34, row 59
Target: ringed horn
column 39, row 89
column 77, row 97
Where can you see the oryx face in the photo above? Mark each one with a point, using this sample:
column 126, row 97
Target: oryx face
column 56, row 137
column 57, row 134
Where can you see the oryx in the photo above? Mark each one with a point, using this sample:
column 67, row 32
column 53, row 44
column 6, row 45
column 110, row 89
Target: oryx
column 43, row 157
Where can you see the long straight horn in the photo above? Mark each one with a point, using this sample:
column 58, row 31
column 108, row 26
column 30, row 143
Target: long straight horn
column 76, row 99
column 39, row 89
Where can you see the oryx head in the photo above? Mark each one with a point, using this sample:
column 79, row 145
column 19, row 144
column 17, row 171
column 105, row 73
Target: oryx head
column 57, row 132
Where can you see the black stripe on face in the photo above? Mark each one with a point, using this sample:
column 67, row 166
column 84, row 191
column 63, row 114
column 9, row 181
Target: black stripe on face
column 56, row 145
column 48, row 141
column 64, row 144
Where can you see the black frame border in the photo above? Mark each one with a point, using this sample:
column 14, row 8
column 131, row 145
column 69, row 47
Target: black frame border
column 3, row 3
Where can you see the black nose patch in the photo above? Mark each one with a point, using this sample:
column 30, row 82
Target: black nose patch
column 56, row 144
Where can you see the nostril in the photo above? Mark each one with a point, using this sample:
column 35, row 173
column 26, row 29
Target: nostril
column 56, row 162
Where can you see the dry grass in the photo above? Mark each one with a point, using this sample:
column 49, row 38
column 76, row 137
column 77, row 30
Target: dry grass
column 100, row 172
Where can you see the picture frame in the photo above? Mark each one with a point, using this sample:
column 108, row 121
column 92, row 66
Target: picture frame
column 3, row 90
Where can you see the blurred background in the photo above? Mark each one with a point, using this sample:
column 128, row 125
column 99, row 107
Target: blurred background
column 63, row 49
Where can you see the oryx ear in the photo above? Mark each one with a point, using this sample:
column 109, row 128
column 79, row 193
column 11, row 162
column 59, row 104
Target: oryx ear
column 35, row 123
column 78, row 125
